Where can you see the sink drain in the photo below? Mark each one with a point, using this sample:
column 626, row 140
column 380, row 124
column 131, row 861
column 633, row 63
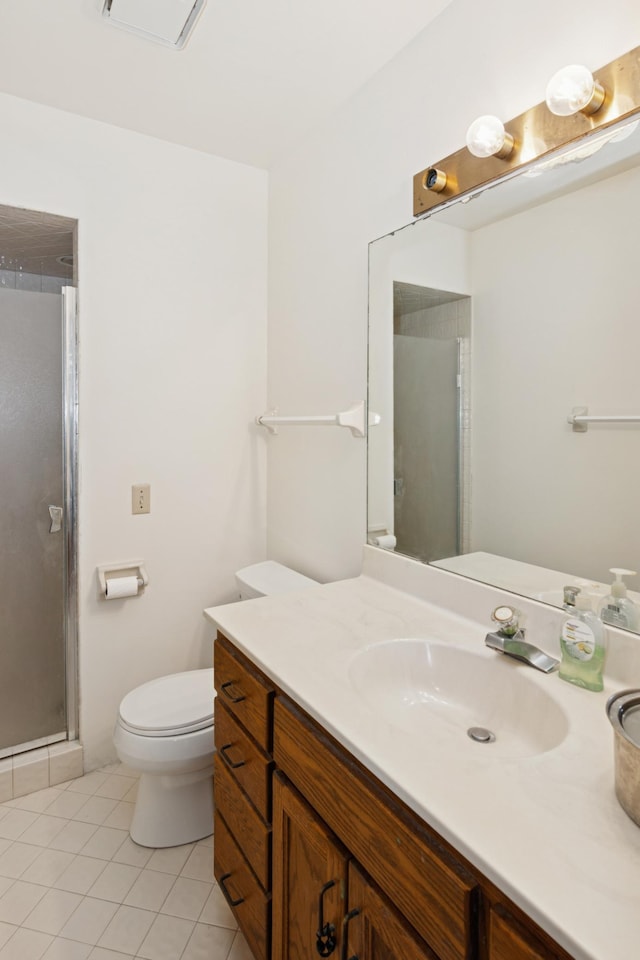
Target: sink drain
column 481, row 734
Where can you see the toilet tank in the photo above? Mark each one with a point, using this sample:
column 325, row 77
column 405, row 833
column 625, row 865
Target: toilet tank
column 269, row 578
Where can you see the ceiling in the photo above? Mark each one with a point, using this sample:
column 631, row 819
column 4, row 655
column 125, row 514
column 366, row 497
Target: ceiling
column 254, row 77
column 36, row 243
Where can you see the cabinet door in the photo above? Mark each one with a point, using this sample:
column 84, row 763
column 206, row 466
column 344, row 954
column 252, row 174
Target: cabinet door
column 309, row 880
column 508, row 940
column 374, row 929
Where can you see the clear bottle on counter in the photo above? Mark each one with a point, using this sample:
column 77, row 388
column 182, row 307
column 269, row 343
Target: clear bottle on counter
column 583, row 646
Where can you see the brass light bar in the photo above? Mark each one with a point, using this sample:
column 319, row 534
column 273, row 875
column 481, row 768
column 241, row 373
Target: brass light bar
column 536, row 133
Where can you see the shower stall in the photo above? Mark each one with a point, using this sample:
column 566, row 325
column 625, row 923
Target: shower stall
column 38, row 433
column 431, row 338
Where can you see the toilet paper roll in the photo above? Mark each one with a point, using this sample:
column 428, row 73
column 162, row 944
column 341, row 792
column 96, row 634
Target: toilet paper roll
column 387, row 541
column 122, row 587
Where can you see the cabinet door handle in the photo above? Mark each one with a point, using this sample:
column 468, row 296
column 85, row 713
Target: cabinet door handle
column 230, row 900
column 229, row 762
column 228, row 692
column 326, row 935
column 345, row 923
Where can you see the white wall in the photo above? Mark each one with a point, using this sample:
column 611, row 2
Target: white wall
column 172, row 297
column 352, row 181
column 555, row 293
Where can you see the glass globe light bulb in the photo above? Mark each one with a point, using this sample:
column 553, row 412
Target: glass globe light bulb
column 486, row 137
column 574, row 90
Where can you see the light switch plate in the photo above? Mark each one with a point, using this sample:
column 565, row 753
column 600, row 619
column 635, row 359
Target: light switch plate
column 141, row 498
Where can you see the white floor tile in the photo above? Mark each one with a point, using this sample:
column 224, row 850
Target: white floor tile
column 120, row 816
column 95, row 810
column 217, row 911
column 47, row 867
column 19, row 900
column 87, row 784
column 53, row 911
column 132, row 795
column 6, row 930
column 43, row 830
column 115, row 787
column 132, row 853
column 37, row 802
column 170, row 859
column 89, row 921
column 16, row 858
column 104, row 843
column 25, row 945
column 15, row 823
column 166, row 939
column 80, row 875
column 209, row 943
column 99, row 953
column 62, row 949
column 199, row 865
column 239, row 950
column 73, row 836
column 127, row 929
column 66, row 804
column 115, row 882
column 187, row 898
column 74, row 886
column 150, row 890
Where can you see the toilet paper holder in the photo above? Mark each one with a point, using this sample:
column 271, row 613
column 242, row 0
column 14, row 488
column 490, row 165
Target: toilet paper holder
column 119, row 571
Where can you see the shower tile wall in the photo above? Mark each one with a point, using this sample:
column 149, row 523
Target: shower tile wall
column 31, row 282
column 38, row 769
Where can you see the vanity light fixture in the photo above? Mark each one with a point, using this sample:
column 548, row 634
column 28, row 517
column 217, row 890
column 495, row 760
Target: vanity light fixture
column 435, row 180
column 577, row 106
column 487, row 137
column 574, row 89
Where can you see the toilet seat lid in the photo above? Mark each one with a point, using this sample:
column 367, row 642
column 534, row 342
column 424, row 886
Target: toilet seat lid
column 175, row 704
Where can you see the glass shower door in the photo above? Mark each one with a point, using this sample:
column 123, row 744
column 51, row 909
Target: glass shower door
column 33, row 707
column 426, row 404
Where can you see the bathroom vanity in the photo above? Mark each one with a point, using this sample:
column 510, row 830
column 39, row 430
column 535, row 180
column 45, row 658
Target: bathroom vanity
column 335, row 818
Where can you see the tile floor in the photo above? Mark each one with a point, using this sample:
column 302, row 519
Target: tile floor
column 74, row 886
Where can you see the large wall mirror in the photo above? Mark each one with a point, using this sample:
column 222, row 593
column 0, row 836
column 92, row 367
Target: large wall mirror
column 491, row 323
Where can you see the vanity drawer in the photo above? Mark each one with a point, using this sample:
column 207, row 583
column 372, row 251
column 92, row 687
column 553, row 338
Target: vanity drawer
column 244, row 822
column 244, row 691
column 244, row 760
column 435, row 893
column 240, row 888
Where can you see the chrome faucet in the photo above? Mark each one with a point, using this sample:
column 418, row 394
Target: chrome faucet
column 509, row 639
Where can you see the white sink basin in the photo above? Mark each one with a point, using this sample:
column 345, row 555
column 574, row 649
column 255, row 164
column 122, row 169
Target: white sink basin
column 433, row 689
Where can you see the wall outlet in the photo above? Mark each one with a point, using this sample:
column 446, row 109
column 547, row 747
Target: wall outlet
column 141, row 498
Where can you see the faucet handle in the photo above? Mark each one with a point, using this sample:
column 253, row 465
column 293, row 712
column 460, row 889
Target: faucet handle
column 508, row 620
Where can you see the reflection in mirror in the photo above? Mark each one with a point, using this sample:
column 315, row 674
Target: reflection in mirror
column 489, row 323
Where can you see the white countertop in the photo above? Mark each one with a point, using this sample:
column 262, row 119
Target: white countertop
column 546, row 829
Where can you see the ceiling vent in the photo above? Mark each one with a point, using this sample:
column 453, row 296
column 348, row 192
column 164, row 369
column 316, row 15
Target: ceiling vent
column 166, row 21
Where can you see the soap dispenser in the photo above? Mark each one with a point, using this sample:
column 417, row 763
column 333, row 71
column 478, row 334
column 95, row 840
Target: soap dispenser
column 582, row 642
column 617, row 609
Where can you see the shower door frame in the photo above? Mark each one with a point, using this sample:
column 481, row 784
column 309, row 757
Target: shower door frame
column 70, row 487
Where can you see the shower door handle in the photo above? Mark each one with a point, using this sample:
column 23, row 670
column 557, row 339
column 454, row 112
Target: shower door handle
column 56, row 519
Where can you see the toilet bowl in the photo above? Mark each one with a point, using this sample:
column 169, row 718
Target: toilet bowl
column 164, row 731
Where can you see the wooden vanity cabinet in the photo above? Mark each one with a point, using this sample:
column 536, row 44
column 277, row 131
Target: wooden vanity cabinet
column 242, row 792
column 323, row 902
column 323, row 835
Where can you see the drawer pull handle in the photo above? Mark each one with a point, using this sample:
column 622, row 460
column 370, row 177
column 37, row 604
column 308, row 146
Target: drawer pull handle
column 345, row 923
column 229, row 762
column 326, row 935
column 226, row 689
column 227, row 895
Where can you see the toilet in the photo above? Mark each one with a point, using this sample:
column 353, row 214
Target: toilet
column 164, row 731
